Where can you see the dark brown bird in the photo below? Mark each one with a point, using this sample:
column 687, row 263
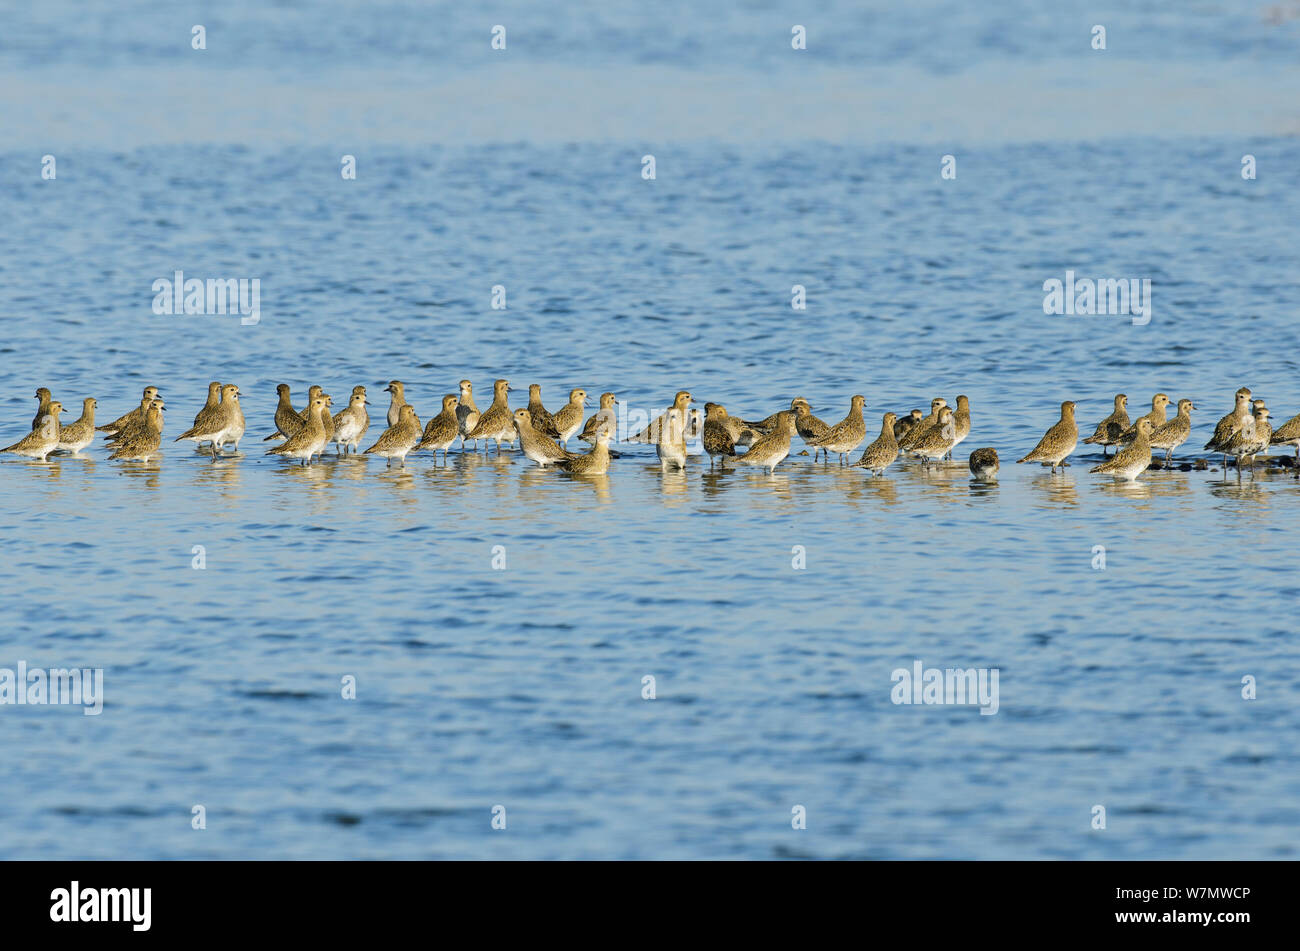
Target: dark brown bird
column 288, row 421
column 542, row 420
column 717, row 438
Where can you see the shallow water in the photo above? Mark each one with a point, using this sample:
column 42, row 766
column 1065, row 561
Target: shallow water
column 522, row 686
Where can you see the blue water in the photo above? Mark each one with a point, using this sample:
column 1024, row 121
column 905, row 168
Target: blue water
column 522, row 686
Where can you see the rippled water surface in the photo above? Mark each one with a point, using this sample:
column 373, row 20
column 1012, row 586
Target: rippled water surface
column 522, row 687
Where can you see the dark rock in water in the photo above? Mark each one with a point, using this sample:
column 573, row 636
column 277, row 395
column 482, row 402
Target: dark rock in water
column 1185, row 467
column 1201, row 465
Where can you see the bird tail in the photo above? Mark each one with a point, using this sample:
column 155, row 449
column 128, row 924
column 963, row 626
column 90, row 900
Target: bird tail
column 275, row 435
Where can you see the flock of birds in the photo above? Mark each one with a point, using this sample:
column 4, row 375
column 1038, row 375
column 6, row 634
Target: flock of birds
column 544, row 436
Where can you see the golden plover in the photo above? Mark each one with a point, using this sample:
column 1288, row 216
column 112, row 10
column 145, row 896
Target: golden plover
column 223, row 423
column 767, row 451
column 717, row 437
column 327, row 417
column 1156, row 417
column 920, row 429
column 937, row 441
column 1175, row 432
column 1263, row 432
column 905, row 424
column 1134, row 459
column 496, row 423
column 133, row 426
column 542, row 420
column 595, row 462
column 398, row 390
column 309, row 440
column 742, row 434
column 442, row 429
column 1230, row 425
column 140, row 443
column 569, row 418
column 466, row 412
column 313, row 391
column 43, row 397
column 847, row 434
column 287, row 420
column 1110, row 429
column 1252, row 439
column 671, row 447
column 77, row 436
column 881, row 453
column 681, row 402
column 44, row 437
column 203, row 419
column 1058, row 442
column 231, row 416
column 351, row 422
column 604, row 418
column 961, row 419
column 808, row 426
column 537, row 446
column 984, row 464
column 1288, row 434
column 327, row 422
column 136, row 415
column 769, row 423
